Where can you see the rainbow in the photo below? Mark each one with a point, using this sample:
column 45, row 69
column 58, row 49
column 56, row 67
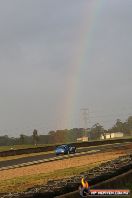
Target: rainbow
column 80, row 55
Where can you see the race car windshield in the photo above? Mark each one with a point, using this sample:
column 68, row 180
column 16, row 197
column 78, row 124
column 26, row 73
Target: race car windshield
column 61, row 147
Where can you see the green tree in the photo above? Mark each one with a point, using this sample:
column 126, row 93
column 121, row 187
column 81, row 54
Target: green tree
column 96, row 131
column 119, row 125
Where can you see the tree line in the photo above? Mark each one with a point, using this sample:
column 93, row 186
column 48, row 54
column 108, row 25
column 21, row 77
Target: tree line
column 67, row 136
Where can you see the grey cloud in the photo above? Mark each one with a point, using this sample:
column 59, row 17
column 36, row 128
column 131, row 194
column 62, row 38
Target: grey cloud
column 38, row 42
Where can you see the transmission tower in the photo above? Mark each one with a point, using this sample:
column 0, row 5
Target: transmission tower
column 84, row 118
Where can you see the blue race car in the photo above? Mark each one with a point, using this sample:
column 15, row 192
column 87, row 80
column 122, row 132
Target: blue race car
column 65, row 149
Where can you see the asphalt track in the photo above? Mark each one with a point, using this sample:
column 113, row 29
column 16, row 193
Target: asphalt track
column 52, row 155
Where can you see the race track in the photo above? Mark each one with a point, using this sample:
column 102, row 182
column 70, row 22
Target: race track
column 52, row 157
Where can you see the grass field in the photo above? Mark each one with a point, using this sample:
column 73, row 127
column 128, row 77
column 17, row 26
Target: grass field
column 15, row 147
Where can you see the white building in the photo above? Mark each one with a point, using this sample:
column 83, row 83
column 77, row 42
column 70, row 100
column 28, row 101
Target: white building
column 111, row 135
column 82, row 139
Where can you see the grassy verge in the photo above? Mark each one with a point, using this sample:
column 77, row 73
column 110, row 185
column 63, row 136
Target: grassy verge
column 22, row 183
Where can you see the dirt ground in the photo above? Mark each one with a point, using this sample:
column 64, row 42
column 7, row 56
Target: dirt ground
column 63, row 164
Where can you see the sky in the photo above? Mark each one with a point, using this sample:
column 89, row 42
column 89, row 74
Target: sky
column 57, row 57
